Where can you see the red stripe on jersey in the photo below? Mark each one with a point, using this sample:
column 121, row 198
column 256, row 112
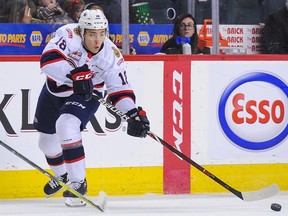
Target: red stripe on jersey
column 69, row 145
column 54, row 50
column 51, row 157
column 51, row 62
column 120, row 92
column 121, row 98
column 75, row 160
column 60, row 57
column 117, row 96
column 99, row 85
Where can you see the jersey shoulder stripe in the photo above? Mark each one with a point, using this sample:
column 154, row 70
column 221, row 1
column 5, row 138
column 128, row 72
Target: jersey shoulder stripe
column 51, row 56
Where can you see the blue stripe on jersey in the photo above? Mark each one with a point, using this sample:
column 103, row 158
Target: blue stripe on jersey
column 117, row 96
column 99, row 85
column 71, row 62
column 55, row 161
column 74, row 154
column 53, row 87
column 50, row 57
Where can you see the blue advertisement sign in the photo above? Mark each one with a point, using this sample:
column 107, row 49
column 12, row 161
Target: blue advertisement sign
column 30, row 39
column 146, row 39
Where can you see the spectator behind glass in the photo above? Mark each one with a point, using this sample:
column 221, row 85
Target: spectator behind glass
column 14, row 11
column 185, row 26
column 275, row 32
column 73, row 9
column 25, row 17
column 111, row 8
column 48, row 9
column 3, row 12
column 93, row 6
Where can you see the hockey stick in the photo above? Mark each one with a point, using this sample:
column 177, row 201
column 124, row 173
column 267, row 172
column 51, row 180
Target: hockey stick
column 100, row 204
column 246, row 196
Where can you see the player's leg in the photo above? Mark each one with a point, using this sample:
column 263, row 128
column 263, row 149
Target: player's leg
column 69, row 134
column 75, row 114
column 47, row 112
column 49, row 145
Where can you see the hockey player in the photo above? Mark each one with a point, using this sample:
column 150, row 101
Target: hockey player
column 78, row 61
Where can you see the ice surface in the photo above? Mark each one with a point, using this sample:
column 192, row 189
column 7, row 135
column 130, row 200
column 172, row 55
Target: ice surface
column 150, row 205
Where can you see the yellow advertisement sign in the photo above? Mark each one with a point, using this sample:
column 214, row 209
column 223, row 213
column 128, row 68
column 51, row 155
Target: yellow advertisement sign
column 36, row 38
column 143, row 38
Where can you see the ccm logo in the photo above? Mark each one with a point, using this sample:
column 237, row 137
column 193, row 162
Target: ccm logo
column 82, row 76
column 177, row 108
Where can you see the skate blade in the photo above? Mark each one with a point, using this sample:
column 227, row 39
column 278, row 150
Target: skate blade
column 74, row 202
column 101, row 202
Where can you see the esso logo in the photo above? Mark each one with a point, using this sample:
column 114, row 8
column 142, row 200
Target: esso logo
column 253, row 111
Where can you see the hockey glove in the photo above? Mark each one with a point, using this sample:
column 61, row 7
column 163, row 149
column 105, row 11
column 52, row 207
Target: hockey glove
column 82, row 83
column 140, row 125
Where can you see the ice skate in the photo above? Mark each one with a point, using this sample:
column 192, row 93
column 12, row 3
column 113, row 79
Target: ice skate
column 53, row 187
column 71, row 199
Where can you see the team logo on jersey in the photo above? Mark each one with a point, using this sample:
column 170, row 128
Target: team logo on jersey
column 116, row 52
column 70, row 34
column 120, row 61
column 75, row 55
column 76, row 31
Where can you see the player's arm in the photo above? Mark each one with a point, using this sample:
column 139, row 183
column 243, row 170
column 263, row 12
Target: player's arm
column 122, row 96
column 82, row 82
column 54, row 61
column 140, row 125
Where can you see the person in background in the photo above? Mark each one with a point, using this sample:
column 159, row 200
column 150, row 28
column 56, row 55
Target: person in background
column 47, row 9
column 80, row 61
column 73, row 9
column 111, row 8
column 14, row 11
column 275, row 32
column 94, row 6
column 3, row 12
column 185, row 26
column 25, row 17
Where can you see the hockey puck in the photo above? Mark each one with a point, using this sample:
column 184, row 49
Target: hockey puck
column 276, row 207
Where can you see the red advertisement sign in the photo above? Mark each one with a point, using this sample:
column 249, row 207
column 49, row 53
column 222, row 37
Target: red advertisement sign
column 177, row 126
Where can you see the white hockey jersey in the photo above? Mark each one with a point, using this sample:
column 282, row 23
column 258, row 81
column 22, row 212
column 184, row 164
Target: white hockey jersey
column 65, row 52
